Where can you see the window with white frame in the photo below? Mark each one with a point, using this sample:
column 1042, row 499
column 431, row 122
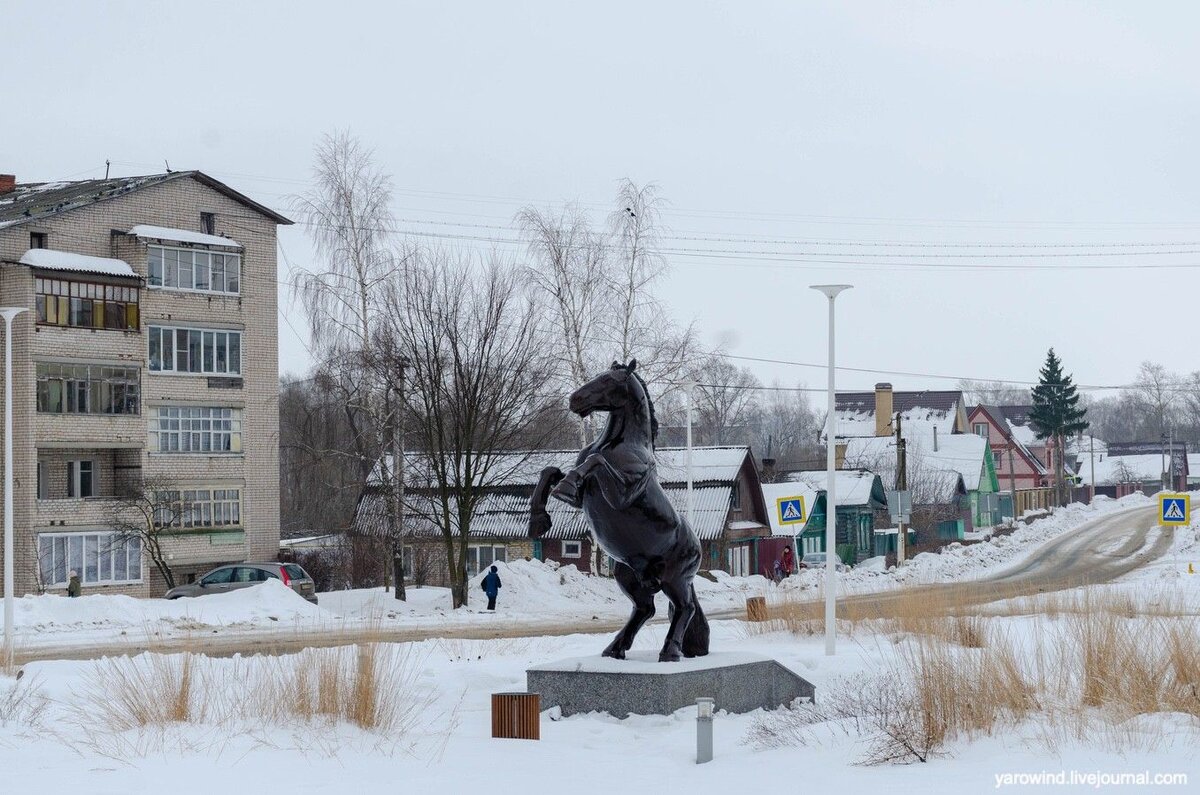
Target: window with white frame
column 196, row 429
column 194, row 270
column 206, row 507
column 195, row 350
column 981, row 429
column 64, row 388
column 572, row 549
column 81, row 478
column 101, row 557
column 480, row 556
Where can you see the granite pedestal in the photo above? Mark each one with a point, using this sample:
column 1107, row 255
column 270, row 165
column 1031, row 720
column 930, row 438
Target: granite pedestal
column 641, row 685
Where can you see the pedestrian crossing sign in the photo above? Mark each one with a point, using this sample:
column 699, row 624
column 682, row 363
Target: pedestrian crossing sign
column 1174, row 509
column 791, row 510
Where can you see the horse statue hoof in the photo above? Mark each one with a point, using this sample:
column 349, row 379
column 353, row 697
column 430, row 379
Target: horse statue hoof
column 668, row 656
column 616, row 654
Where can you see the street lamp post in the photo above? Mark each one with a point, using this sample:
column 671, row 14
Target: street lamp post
column 8, row 313
column 831, row 292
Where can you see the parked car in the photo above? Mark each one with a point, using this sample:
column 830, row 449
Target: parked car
column 816, row 560
column 243, row 575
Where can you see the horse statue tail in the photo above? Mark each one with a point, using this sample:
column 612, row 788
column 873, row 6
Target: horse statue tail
column 695, row 638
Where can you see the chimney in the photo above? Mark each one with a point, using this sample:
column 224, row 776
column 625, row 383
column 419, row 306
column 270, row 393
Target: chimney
column 8, row 183
column 883, row 409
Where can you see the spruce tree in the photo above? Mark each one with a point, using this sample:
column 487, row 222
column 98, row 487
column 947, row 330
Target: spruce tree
column 1056, row 412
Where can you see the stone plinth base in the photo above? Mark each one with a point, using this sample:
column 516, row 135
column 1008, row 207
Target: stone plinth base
column 641, row 685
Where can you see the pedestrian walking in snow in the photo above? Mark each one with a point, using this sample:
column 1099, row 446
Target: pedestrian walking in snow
column 778, row 571
column 73, row 586
column 491, row 587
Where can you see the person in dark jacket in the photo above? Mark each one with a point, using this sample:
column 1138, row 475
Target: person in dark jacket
column 491, row 587
column 73, row 586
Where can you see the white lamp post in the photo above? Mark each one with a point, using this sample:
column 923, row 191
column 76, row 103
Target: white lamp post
column 831, row 292
column 8, row 313
column 689, row 391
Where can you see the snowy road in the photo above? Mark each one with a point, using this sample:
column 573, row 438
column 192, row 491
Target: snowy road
column 1098, row 551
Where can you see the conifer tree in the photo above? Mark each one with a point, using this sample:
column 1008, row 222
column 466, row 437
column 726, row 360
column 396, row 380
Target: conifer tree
column 1056, row 414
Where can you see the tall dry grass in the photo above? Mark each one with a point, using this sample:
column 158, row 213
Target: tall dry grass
column 369, row 686
column 1095, row 669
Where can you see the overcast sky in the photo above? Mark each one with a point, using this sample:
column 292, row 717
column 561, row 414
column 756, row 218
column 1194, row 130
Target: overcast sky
column 768, row 124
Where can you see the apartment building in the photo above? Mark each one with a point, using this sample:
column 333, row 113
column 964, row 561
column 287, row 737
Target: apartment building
column 146, row 362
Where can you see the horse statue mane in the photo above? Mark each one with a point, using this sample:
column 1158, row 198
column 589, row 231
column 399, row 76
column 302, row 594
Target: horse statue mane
column 649, row 401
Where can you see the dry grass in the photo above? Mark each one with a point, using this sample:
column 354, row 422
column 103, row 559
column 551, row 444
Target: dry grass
column 369, row 686
column 22, row 702
column 1096, row 669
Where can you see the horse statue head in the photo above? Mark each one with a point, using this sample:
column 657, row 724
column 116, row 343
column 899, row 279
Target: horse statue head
column 622, row 393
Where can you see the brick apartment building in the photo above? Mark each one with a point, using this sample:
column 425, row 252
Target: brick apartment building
column 147, row 356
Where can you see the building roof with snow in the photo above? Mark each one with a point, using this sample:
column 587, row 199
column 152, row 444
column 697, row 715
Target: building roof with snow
column 49, row 259
column 854, row 486
column 147, row 231
column 503, row 512
column 32, row 201
column 1013, row 424
column 935, row 476
column 1117, row 469
column 943, row 409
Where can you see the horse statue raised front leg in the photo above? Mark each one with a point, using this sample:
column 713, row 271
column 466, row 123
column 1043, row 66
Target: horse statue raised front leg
column 615, row 483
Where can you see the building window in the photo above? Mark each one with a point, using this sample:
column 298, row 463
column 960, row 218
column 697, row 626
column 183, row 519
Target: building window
column 192, row 350
column 86, row 304
column 42, row 485
column 479, row 557
column 981, row 429
column 572, row 549
column 38, row 240
column 735, row 498
column 87, row 389
column 199, row 508
column 81, row 478
column 100, row 557
column 194, row 270
column 196, row 429
column 208, row 223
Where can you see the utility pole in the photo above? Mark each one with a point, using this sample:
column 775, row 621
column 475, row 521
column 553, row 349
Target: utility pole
column 398, row 485
column 1092, row 456
column 901, row 486
column 1012, row 483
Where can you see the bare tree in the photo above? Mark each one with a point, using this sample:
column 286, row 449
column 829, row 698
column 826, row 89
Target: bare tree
column 480, row 378
column 726, row 401
column 349, row 221
column 994, row 393
column 149, row 511
column 600, row 288
column 786, row 428
column 1157, row 389
column 571, row 272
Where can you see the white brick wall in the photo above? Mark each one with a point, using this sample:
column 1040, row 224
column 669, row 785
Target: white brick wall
column 92, row 230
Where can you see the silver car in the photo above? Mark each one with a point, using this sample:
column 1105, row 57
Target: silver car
column 243, row 575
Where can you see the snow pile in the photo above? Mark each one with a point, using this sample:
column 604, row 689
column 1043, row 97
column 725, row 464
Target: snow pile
column 270, row 602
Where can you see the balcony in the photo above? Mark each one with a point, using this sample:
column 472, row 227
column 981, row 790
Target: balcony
column 81, row 485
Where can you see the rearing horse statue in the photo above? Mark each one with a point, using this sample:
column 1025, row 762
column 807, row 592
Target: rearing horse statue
column 615, row 484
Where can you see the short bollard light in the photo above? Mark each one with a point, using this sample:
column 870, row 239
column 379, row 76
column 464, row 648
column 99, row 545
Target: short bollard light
column 704, row 730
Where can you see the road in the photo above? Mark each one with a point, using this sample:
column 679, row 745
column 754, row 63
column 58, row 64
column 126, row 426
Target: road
column 1096, row 552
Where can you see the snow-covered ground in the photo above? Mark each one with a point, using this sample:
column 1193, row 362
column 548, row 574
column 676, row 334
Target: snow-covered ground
column 447, row 746
column 54, row 732
column 533, row 592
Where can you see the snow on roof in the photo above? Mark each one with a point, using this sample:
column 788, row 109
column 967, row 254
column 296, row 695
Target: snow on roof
column 507, row 515
column 50, row 259
column 853, row 486
column 182, row 236
column 709, row 464
column 961, row 453
column 1113, row 469
column 854, row 415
